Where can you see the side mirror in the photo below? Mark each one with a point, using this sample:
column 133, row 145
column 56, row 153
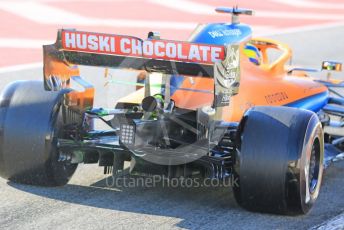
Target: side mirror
column 331, row 66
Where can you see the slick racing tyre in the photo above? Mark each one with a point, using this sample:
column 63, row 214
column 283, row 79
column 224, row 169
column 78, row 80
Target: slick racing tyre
column 30, row 122
column 279, row 162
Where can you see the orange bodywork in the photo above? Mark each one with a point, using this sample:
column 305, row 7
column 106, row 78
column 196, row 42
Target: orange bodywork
column 65, row 71
column 269, row 83
column 266, row 84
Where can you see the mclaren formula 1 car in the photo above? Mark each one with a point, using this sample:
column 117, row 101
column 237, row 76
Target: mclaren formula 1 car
column 217, row 106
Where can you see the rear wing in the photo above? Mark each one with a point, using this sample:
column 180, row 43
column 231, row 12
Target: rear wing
column 116, row 51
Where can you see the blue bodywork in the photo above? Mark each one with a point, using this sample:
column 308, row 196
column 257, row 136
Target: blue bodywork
column 223, row 34
column 313, row 103
column 216, row 34
column 235, row 33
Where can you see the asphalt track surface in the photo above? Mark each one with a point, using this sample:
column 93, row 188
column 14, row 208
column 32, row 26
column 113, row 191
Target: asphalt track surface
column 87, row 203
column 27, row 24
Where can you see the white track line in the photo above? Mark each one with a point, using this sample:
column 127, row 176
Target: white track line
column 36, row 43
column 204, row 9
column 311, row 4
column 45, row 14
column 80, row 1
column 297, row 3
column 41, row 13
column 262, row 30
column 296, row 15
column 15, row 68
column 186, row 6
column 23, row 43
column 304, row 29
column 336, row 223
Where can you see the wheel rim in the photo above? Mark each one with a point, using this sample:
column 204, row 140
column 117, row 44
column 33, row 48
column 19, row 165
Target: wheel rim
column 314, row 166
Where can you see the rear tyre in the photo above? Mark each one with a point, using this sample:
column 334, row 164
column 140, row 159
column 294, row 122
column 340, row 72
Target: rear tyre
column 30, row 122
column 279, row 165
